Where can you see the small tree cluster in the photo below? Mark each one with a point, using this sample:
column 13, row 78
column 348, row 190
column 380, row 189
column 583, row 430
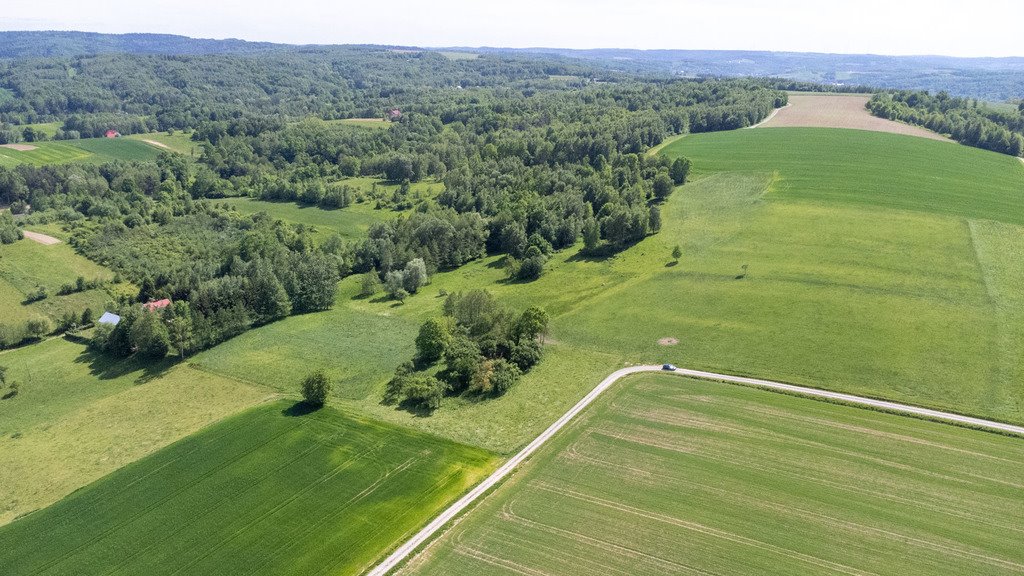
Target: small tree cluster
column 484, row 349
column 399, row 284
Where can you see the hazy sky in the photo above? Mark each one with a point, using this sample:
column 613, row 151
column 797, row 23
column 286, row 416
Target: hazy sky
column 978, row 28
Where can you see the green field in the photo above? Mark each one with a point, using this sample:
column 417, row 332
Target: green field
column 270, row 491
column 841, row 291
column 666, row 475
column 79, row 416
column 371, row 123
column 93, row 150
column 349, row 222
column 180, row 142
column 26, row 264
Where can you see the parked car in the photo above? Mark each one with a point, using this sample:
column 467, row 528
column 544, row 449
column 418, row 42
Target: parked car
column 668, row 367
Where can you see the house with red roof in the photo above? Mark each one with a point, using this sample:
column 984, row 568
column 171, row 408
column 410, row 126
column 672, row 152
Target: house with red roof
column 112, row 134
column 155, row 305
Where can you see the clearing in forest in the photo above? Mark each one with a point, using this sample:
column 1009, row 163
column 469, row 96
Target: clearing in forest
column 666, row 475
column 274, row 490
column 839, row 111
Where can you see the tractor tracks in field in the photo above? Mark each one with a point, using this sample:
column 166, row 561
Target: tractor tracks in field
column 406, row 549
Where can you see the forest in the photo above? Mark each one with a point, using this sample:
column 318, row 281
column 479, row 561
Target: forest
column 963, row 119
column 526, row 166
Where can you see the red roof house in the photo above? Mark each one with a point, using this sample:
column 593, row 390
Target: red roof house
column 394, row 114
column 156, row 305
column 112, row 134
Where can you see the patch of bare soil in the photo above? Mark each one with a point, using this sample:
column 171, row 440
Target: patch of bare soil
column 157, row 144
column 41, row 238
column 18, row 147
column 840, row 111
column 668, row 342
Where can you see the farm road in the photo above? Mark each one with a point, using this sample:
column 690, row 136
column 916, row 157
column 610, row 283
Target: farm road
column 407, row 548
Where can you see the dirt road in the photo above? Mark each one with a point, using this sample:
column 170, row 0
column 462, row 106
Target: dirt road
column 421, row 537
column 41, row 238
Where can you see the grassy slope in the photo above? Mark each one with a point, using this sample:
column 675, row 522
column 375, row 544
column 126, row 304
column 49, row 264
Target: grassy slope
column 841, row 292
column 26, row 264
column 265, row 492
column 79, row 416
column 666, row 475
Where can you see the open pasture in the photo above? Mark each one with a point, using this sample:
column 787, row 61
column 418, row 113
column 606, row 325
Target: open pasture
column 275, row 490
column 671, row 475
column 78, row 416
column 26, row 265
column 839, row 111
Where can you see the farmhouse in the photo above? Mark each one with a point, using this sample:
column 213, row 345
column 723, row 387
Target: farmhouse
column 112, row 134
column 156, row 305
column 109, row 318
column 394, row 114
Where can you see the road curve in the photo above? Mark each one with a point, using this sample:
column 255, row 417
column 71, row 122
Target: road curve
column 428, row 531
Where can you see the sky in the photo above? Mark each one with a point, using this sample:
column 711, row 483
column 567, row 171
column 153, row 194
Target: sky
column 897, row 27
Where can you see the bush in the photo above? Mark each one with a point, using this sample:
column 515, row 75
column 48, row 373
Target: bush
column 37, row 328
column 315, row 388
column 531, row 268
column 423, row 391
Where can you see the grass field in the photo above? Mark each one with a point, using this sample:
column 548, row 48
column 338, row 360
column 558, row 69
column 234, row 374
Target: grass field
column 371, row 123
column 861, row 276
column 180, row 142
column 94, row 150
column 79, row 416
column 271, row 491
column 349, row 222
column 25, row 265
column 665, row 475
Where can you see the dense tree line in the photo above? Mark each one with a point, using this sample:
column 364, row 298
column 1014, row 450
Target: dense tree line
column 961, row 118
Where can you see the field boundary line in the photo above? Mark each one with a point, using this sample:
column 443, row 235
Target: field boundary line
column 427, row 532
column 770, row 116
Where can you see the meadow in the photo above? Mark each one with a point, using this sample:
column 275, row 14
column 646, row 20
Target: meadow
column 273, row 490
column 670, row 475
column 351, row 222
column 93, row 150
column 829, row 269
column 78, row 416
column 26, row 265
column 180, row 142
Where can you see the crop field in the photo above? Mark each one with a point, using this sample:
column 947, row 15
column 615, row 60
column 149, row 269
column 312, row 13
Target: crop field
column 666, row 475
column 271, row 491
column 25, row 265
column 96, row 150
column 839, row 111
column 78, row 416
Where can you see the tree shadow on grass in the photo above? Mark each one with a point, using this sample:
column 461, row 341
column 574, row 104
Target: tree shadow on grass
column 106, row 367
column 300, row 409
column 671, row 264
column 599, row 254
